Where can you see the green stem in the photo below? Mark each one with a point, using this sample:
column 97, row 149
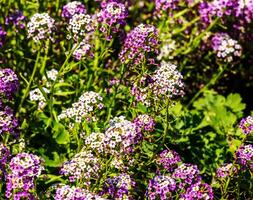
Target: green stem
column 210, row 83
column 29, row 84
column 166, row 121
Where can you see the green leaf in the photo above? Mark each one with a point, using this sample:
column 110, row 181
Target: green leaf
column 60, row 134
column 234, row 102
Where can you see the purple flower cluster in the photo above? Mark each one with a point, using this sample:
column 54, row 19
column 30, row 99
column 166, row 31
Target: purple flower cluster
column 41, row 27
column 9, row 83
column 241, row 10
column 67, row 192
column 198, row 191
column 83, row 165
column 165, row 6
column 121, row 136
column 16, row 18
column 2, row 36
column 225, row 47
column 4, row 155
column 246, row 124
column 72, row 8
column 8, row 121
column 226, row 170
column 144, row 122
column 140, row 45
column 83, row 50
column 169, row 159
column 244, row 156
column 187, row 174
column 119, row 187
column 161, row 187
column 23, row 169
column 112, row 15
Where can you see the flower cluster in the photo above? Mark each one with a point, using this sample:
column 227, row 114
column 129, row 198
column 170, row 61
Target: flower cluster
column 169, row 159
column 225, row 170
column 225, row 47
column 187, row 174
column 161, row 187
column 83, row 165
column 121, row 136
column 241, row 10
column 244, row 156
column 72, row 8
column 167, row 48
column 112, row 15
column 164, row 5
column 23, row 169
column 87, row 104
column 83, row 49
column 9, row 83
column 95, row 142
column 16, row 18
column 2, row 36
column 67, row 192
column 37, row 95
column 41, row 27
column 4, row 155
column 140, row 45
column 8, row 121
column 246, row 124
column 168, row 81
column 119, row 187
column 144, row 122
column 79, row 26
column 198, row 191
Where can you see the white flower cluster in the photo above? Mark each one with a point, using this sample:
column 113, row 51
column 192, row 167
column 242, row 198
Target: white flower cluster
column 50, row 77
column 167, row 49
column 83, row 165
column 120, row 136
column 85, row 107
column 79, row 26
column 40, row 27
column 37, row 95
column 225, row 47
column 95, row 142
column 168, row 81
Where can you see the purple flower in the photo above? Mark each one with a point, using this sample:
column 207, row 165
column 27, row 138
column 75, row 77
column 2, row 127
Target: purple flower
column 119, row 187
column 140, row 45
column 9, row 83
column 187, row 174
column 226, row 170
column 198, row 191
column 169, row 159
column 225, row 47
column 16, row 18
column 23, row 169
column 4, row 156
column 73, row 8
column 2, row 36
column 144, row 122
column 8, row 121
column 246, row 124
column 112, row 16
column 244, row 156
column 161, row 187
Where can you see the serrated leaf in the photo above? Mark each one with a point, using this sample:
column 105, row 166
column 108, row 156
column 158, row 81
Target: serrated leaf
column 234, row 102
